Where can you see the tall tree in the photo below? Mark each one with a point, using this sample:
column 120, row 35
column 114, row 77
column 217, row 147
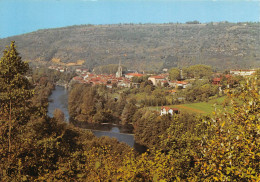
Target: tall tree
column 233, row 151
column 15, row 92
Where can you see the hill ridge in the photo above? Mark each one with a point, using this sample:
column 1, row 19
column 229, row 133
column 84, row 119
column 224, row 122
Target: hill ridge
column 144, row 46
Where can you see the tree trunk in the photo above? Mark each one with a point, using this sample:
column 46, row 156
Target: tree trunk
column 10, row 128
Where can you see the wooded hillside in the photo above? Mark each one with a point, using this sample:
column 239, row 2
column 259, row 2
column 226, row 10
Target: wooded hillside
column 145, row 46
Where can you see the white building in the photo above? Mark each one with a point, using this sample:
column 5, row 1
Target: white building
column 242, row 72
column 167, row 110
column 156, row 80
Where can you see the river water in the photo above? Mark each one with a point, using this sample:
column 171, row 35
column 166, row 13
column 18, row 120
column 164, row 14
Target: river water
column 59, row 99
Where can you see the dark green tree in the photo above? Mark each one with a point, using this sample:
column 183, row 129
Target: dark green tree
column 15, row 93
column 174, row 74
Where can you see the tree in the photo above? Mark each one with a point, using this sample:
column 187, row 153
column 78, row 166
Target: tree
column 15, row 92
column 174, row 74
column 128, row 112
column 233, row 151
column 59, row 115
column 198, row 71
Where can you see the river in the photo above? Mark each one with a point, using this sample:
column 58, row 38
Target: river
column 59, row 99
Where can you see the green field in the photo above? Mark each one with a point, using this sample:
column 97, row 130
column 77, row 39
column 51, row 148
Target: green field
column 200, row 107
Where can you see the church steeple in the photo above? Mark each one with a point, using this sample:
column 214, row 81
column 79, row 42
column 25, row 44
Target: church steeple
column 119, row 72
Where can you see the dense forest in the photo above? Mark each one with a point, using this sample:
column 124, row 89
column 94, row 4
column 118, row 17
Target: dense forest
column 145, row 46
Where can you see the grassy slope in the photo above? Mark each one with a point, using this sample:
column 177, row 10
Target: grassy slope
column 199, row 108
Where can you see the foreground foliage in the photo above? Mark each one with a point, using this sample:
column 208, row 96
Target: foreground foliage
column 181, row 148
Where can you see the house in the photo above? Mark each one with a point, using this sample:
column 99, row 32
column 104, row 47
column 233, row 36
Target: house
column 156, row 80
column 216, row 81
column 172, row 83
column 124, row 84
column 242, row 72
column 164, row 83
column 165, row 70
column 131, row 75
column 78, row 70
column 77, row 78
column 109, row 86
column 167, row 110
column 182, row 84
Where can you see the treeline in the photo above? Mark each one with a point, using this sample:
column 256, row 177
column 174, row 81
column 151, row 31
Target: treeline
column 95, row 105
column 39, row 74
column 195, row 71
column 201, row 91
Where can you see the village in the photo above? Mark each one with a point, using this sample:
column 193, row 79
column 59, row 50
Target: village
column 121, row 79
column 126, row 80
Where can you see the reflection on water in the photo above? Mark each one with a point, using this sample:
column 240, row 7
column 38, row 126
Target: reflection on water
column 115, row 130
column 59, row 99
column 121, row 137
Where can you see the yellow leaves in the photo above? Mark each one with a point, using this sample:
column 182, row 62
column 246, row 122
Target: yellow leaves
column 97, row 165
column 215, row 178
column 223, row 124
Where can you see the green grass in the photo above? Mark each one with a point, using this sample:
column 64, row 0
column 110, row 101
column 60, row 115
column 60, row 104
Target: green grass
column 198, row 108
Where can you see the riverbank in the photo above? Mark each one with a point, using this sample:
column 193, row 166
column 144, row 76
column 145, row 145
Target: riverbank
column 123, row 133
column 124, row 129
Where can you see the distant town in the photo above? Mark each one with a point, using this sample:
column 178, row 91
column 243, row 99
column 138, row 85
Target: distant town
column 121, row 79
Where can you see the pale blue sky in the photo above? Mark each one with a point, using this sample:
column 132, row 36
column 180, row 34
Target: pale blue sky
column 23, row 16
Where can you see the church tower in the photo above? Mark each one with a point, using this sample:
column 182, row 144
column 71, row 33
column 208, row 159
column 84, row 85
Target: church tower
column 119, row 72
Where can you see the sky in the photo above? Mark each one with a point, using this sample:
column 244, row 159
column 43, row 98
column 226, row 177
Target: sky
column 23, row 16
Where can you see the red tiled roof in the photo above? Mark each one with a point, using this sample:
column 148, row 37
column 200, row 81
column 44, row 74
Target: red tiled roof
column 134, row 74
column 181, row 82
column 168, row 108
column 216, row 79
column 157, row 77
column 77, row 78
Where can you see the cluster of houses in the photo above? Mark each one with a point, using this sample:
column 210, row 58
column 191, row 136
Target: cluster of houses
column 108, row 80
column 219, row 77
column 216, row 81
column 126, row 80
column 162, row 79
